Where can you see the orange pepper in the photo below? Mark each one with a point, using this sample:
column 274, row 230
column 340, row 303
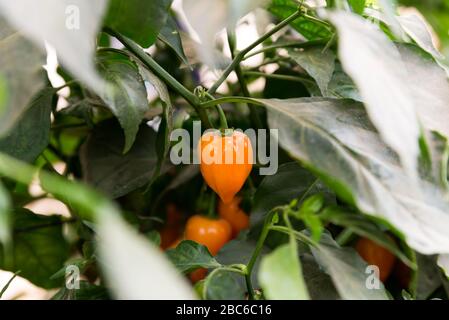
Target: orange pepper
column 225, row 162
column 212, row 233
column 233, row 214
column 377, row 255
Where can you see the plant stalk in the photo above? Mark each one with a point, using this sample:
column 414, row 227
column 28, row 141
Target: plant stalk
column 150, row 63
column 241, row 55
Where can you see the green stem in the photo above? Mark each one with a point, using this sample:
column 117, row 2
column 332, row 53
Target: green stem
column 221, row 114
column 344, row 237
column 299, row 236
column 241, row 55
column 148, row 61
column 254, row 116
column 67, row 84
column 279, row 77
column 290, row 44
column 212, row 201
column 231, row 99
column 259, row 245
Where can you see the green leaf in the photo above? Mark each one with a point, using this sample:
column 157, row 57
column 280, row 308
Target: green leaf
column 125, row 94
column 166, row 126
column 309, row 29
column 5, row 215
column 31, row 134
column 221, row 284
column 80, row 263
column 378, row 71
column 319, row 64
column 436, row 171
column 69, row 26
column 428, row 84
column 189, row 256
column 347, row 270
column 364, row 227
column 39, row 248
column 415, row 26
column 136, row 269
column 170, row 36
column 280, row 275
column 240, row 252
column 140, row 21
column 357, row 5
column 290, row 182
column 21, row 75
column 86, row 291
column 335, row 139
column 319, row 284
column 342, row 86
column 108, row 169
column 427, row 278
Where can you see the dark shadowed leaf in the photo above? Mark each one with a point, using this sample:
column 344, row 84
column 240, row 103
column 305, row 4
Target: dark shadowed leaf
column 171, row 37
column 108, row 169
column 337, row 261
column 31, row 134
column 125, row 94
column 189, row 255
column 290, row 182
column 319, row 64
column 86, row 291
column 39, row 248
column 138, row 20
column 240, row 252
column 223, row 285
column 309, row 29
column 364, row 227
column 165, row 127
column 428, row 276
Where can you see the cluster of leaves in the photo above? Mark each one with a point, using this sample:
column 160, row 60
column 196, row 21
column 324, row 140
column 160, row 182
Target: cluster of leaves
column 358, row 96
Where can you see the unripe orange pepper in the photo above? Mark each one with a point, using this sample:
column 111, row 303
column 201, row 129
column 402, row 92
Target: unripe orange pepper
column 233, row 214
column 377, row 255
column 225, row 161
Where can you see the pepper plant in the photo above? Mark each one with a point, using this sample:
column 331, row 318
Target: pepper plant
column 355, row 94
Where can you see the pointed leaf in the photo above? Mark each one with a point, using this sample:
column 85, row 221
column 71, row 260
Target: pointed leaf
column 189, row 255
column 337, row 262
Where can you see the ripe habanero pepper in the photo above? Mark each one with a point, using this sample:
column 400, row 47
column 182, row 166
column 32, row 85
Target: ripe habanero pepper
column 212, row 233
column 225, row 161
column 377, row 255
column 233, row 214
